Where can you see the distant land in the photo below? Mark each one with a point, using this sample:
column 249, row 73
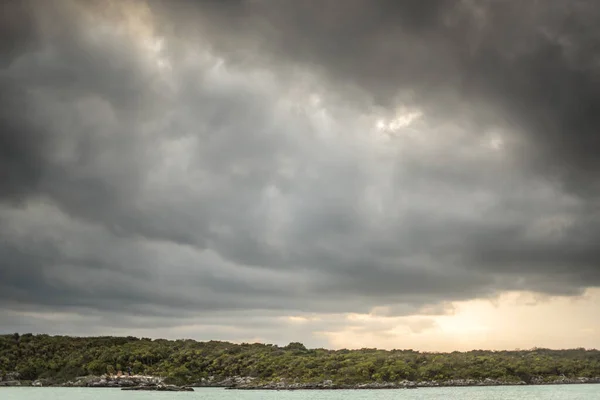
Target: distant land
column 43, row 360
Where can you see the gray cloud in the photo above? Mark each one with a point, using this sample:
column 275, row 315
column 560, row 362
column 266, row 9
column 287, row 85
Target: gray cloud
column 236, row 165
column 530, row 66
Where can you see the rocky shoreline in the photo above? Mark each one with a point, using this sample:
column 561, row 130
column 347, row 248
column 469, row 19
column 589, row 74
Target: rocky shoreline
column 154, row 383
column 135, row 382
column 328, row 385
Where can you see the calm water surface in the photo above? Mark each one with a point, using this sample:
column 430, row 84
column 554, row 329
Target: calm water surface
column 563, row 392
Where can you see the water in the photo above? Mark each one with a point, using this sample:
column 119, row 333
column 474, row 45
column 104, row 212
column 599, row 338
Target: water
column 561, row 392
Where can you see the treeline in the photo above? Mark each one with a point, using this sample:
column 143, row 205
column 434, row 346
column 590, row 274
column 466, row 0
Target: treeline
column 61, row 358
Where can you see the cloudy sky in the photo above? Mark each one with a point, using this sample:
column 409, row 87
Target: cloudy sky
column 344, row 173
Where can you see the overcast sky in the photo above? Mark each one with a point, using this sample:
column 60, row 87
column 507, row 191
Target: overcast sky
column 344, row 173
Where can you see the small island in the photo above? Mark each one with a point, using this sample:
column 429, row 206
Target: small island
column 179, row 365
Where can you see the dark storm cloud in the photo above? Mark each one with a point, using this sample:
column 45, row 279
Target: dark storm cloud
column 529, row 65
column 198, row 177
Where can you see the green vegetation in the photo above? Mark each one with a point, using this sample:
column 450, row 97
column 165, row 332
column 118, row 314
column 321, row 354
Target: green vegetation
column 61, row 358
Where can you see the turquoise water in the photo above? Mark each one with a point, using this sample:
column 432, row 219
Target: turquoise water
column 562, row 392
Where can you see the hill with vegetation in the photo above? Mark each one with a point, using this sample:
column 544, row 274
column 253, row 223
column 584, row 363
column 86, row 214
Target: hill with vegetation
column 62, row 358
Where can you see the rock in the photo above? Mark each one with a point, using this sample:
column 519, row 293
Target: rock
column 114, row 381
column 10, row 383
column 10, row 376
column 128, row 383
column 225, row 383
column 161, row 388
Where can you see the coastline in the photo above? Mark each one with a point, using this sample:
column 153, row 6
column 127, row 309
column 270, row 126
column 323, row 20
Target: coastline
column 412, row 384
column 246, row 383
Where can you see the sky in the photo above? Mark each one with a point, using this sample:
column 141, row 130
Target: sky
column 343, row 173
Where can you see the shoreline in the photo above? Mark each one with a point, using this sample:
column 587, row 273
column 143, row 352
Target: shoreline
column 392, row 386
column 306, row 389
column 238, row 383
